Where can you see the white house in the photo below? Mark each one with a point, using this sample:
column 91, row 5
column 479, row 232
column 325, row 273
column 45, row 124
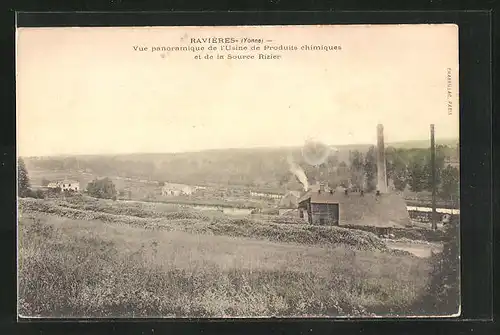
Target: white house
column 65, row 185
column 176, row 189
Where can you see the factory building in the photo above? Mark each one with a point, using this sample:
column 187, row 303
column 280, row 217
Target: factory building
column 353, row 208
column 323, row 206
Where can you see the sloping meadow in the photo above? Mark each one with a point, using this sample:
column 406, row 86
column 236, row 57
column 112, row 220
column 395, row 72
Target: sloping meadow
column 178, row 218
column 88, row 268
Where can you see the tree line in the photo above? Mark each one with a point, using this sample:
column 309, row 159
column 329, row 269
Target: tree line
column 405, row 168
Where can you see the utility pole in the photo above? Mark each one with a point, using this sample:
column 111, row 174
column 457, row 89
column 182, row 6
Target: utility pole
column 433, row 178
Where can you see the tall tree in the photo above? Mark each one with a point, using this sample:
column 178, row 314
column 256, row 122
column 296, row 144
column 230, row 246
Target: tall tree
column 439, row 161
column 397, row 169
column 23, row 181
column 450, row 183
column 370, row 169
column 417, row 177
column 357, row 169
column 400, row 177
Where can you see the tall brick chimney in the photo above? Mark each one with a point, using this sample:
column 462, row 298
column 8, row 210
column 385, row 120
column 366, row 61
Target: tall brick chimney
column 381, row 166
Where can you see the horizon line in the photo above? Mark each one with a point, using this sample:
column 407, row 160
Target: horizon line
column 223, row 149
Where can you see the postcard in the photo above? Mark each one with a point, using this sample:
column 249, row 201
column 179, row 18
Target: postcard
column 238, row 171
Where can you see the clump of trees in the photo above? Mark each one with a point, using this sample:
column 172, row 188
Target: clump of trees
column 397, row 169
column 356, row 171
column 406, row 167
column 102, row 188
column 450, row 183
column 363, row 170
column 370, row 170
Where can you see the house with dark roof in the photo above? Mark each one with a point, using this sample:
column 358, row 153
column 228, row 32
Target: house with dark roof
column 319, row 207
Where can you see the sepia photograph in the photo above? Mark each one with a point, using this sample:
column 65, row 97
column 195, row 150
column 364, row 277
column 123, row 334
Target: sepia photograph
column 238, row 171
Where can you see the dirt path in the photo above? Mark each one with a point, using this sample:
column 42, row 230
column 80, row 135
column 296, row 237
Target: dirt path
column 419, row 249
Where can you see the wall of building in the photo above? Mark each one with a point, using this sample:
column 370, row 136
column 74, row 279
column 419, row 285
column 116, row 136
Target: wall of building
column 325, row 214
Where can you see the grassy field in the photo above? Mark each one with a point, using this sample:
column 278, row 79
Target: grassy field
column 109, row 259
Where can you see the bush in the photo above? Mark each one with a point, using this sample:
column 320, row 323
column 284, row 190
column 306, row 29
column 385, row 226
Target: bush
column 101, row 188
column 209, row 224
column 69, row 193
column 38, row 194
column 443, row 295
column 54, row 191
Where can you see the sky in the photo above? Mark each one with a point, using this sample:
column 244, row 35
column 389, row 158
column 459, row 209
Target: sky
column 87, row 91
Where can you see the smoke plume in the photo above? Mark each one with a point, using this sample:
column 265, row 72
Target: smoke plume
column 298, row 172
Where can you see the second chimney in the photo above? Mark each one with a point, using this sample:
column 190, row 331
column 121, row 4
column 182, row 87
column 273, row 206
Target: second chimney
column 381, row 166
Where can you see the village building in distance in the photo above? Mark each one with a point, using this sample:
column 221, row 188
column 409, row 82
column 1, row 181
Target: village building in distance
column 171, row 189
column 265, row 195
column 65, row 185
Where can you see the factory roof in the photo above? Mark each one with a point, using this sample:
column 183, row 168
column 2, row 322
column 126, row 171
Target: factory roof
column 322, row 197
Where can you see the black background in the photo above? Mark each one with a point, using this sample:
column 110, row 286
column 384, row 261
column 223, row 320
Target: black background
column 476, row 121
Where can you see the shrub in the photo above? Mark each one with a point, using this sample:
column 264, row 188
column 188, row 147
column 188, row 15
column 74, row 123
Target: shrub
column 216, row 224
column 69, row 193
column 38, row 194
column 443, row 295
column 56, row 190
column 101, row 188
